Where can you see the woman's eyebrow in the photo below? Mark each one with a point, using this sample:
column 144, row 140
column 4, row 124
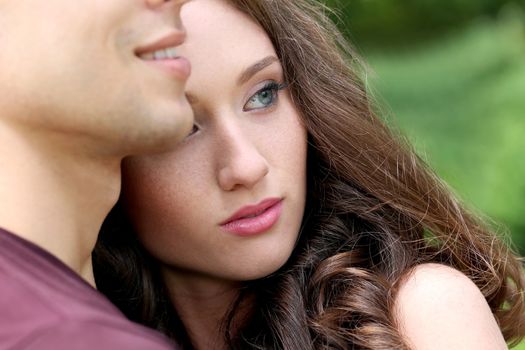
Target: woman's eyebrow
column 254, row 68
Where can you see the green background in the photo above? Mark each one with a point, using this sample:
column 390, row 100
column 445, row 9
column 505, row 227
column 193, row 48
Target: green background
column 451, row 75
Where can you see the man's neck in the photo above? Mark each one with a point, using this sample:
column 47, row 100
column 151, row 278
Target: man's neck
column 56, row 195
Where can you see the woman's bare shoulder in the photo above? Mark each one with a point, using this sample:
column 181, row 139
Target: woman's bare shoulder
column 438, row 307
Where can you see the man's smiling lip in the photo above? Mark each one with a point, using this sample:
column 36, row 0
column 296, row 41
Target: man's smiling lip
column 167, row 41
column 163, row 54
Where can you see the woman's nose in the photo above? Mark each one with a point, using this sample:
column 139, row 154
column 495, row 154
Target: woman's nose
column 241, row 163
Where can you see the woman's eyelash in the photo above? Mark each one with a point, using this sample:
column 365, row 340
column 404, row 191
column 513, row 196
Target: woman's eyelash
column 272, row 85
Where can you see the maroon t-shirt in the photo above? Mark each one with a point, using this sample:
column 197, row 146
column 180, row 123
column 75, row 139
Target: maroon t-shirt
column 44, row 305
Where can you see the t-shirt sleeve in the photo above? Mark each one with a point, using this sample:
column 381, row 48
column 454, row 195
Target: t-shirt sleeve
column 95, row 336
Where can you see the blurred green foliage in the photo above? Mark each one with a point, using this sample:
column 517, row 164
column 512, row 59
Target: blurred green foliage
column 403, row 22
column 451, row 75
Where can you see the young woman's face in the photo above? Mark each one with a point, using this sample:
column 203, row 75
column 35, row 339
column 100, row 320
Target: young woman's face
column 228, row 202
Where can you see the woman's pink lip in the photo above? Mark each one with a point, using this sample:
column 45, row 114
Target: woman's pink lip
column 249, row 210
column 243, row 223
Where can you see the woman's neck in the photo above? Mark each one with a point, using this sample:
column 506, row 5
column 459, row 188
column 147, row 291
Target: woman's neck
column 203, row 303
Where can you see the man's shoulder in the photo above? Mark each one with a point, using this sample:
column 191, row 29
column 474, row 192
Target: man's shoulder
column 36, row 316
column 44, row 305
column 81, row 334
column 30, row 321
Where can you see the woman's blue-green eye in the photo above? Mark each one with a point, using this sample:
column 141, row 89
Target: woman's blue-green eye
column 263, row 98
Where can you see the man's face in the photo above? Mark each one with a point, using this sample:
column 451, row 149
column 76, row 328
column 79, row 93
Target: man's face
column 86, row 68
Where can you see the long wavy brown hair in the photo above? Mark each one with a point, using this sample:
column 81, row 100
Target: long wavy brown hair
column 374, row 211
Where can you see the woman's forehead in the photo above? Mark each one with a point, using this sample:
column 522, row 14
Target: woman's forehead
column 222, row 43
column 218, row 28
